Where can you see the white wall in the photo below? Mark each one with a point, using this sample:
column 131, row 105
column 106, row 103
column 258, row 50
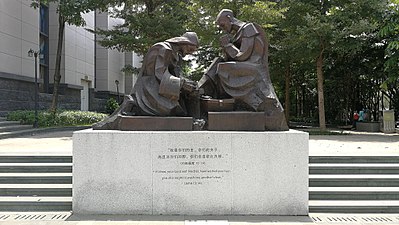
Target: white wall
column 77, row 61
column 79, row 52
column 109, row 63
column 19, row 31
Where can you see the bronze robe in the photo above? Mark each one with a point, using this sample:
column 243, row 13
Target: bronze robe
column 244, row 75
column 157, row 90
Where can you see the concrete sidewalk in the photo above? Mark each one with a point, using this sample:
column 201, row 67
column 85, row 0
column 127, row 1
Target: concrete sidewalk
column 354, row 143
column 44, row 143
column 66, row 218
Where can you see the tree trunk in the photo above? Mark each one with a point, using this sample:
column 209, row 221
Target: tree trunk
column 320, row 91
column 287, row 93
column 57, row 72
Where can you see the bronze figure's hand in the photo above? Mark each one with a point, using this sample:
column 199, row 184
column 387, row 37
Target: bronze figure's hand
column 224, row 40
column 189, row 86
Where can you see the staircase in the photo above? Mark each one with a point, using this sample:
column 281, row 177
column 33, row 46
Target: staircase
column 35, row 183
column 339, row 184
column 354, row 184
column 12, row 128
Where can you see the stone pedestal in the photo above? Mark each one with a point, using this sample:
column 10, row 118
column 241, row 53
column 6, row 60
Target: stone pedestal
column 190, row 173
column 388, row 121
column 146, row 123
column 368, row 126
column 236, row 121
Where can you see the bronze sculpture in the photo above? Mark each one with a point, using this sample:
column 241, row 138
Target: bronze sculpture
column 239, row 80
column 160, row 89
column 243, row 74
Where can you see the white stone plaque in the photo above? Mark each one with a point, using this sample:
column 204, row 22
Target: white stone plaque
column 190, row 173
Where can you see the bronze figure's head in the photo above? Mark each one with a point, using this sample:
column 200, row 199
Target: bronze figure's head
column 188, row 42
column 224, row 20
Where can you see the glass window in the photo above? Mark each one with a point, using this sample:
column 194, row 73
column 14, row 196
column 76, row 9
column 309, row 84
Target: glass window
column 43, row 50
column 44, row 19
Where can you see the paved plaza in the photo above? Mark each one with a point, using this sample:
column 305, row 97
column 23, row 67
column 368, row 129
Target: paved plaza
column 354, row 144
column 59, row 143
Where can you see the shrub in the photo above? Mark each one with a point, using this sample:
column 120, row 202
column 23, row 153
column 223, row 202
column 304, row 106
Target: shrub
column 61, row 118
column 111, row 105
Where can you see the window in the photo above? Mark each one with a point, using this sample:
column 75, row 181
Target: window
column 44, row 47
column 44, row 19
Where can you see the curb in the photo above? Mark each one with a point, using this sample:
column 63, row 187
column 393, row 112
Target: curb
column 34, row 131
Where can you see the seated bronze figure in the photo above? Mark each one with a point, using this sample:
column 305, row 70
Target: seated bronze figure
column 243, row 73
column 160, row 89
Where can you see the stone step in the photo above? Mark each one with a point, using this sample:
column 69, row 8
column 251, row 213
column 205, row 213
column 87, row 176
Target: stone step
column 34, row 131
column 353, row 159
column 35, row 167
column 33, row 192
column 360, row 168
column 328, row 193
column 354, row 206
column 35, row 204
column 14, row 128
column 5, row 123
column 353, row 196
column 36, row 159
column 35, row 185
column 353, row 180
column 354, row 193
column 352, row 189
column 59, row 190
column 17, row 133
column 2, row 118
column 35, row 178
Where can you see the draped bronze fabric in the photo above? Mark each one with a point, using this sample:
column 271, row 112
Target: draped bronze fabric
column 157, row 90
column 244, row 76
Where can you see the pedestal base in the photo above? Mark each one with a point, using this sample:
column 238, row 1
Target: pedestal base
column 146, row 123
column 236, row 121
column 190, row 173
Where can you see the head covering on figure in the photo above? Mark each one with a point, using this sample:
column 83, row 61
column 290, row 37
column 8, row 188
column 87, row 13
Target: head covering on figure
column 188, row 38
column 225, row 13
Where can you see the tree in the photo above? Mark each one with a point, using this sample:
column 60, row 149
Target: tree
column 146, row 22
column 325, row 26
column 203, row 15
column 390, row 32
column 69, row 12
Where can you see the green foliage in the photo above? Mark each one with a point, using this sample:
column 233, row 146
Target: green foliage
column 202, row 21
column 111, row 105
column 149, row 22
column 71, row 11
column 129, row 69
column 145, row 23
column 62, row 118
column 390, row 32
column 346, row 34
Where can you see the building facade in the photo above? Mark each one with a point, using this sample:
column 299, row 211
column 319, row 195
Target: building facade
column 90, row 73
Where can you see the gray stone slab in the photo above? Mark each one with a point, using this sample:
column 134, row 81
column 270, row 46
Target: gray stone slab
column 368, row 126
column 190, row 173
